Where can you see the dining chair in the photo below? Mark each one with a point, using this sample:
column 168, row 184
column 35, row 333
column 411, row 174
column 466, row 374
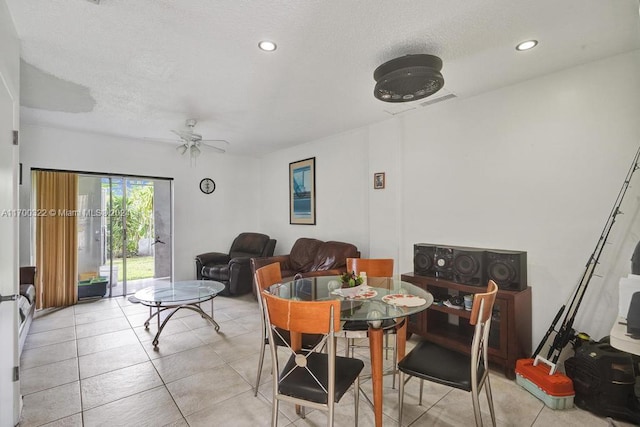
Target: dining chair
column 311, row 379
column 265, row 277
column 376, row 268
column 466, row 371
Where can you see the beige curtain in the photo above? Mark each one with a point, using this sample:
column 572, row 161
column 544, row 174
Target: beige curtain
column 56, row 238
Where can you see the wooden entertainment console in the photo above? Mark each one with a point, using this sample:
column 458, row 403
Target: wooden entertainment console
column 510, row 334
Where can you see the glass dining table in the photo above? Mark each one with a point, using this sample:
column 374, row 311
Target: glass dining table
column 380, row 299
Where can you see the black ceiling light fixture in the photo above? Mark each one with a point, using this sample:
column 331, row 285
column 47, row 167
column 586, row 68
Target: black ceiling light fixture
column 408, row 78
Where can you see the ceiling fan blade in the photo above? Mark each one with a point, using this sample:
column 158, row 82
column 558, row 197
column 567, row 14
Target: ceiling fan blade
column 212, row 147
column 215, row 140
column 182, row 149
column 161, row 140
column 187, row 136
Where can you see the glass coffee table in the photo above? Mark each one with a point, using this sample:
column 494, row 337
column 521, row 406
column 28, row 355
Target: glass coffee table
column 187, row 294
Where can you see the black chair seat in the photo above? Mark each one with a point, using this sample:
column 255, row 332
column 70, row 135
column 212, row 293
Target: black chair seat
column 302, row 385
column 434, row 363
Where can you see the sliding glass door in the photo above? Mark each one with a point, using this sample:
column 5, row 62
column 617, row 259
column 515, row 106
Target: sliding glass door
column 125, row 233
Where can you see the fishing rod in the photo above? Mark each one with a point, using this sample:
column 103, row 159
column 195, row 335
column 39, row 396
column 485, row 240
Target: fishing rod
column 566, row 333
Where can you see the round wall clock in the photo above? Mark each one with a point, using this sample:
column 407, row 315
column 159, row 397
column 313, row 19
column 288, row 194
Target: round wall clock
column 207, row 186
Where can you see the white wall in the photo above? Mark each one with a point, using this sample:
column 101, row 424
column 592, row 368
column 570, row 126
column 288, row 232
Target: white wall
column 341, row 191
column 534, row 167
column 202, row 222
column 10, row 58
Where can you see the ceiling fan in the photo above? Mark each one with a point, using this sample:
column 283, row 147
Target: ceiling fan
column 192, row 142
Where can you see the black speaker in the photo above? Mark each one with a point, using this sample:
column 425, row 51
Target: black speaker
column 469, row 266
column 507, row 268
column 443, row 262
column 423, row 258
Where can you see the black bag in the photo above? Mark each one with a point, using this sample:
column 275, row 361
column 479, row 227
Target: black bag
column 604, row 380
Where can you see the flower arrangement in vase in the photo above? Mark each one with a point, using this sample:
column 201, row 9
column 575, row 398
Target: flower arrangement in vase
column 350, row 280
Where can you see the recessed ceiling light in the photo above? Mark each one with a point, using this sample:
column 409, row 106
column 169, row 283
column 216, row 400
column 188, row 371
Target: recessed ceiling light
column 529, row 44
column 267, row 46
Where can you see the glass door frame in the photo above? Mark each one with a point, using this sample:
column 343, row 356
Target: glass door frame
column 124, row 177
column 122, row 212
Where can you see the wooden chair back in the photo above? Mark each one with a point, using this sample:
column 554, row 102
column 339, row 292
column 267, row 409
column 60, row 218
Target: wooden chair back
column 489, row 299
column 374, row 267
column 307, row 317
column 267, row 276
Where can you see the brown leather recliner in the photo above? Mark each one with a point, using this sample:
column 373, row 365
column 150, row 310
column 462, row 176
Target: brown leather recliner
column 234, row 269
column 311, row 257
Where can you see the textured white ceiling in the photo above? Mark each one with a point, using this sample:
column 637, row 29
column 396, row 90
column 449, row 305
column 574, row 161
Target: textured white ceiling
column 140, row 68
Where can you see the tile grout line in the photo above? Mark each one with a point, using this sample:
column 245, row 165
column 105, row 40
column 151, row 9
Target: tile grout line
column 135, row 364
column 164, row 384
column 75, row 328
column 226, row 363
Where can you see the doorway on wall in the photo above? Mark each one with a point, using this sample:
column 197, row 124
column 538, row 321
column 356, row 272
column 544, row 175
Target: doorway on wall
column 124, row 233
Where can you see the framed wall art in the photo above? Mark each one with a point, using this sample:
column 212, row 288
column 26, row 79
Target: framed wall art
column 302, row 192
column 378, row 180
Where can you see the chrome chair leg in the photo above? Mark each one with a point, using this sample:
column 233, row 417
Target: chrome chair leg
column 487, row 387
column 274, row 412
column 260, row 363
column 476, row 406
column 421, row 387
column 400, row 396
column 386, row 346
column 395, row 363
column 356, row 397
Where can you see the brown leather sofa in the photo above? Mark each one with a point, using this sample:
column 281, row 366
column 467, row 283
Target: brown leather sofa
column 311, row 257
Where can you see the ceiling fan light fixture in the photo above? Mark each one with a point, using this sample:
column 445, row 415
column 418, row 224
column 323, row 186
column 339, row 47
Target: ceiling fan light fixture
column 182, row 148
column 267, row 46
column 194, row 151
column 408, row 78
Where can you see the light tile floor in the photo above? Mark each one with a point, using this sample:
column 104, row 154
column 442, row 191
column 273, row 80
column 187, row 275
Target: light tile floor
column 93, row 364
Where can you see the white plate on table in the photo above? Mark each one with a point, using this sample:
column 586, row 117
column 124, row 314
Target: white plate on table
column 404, row 300
column 353, row 291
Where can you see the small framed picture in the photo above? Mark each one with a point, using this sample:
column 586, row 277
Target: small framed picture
column 378, row 180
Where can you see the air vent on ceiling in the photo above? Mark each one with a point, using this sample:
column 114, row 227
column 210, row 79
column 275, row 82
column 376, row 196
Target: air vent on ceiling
column 395, row 109
column 408, row 78
column 439, row 99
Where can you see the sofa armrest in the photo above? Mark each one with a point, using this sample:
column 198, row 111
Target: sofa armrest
column 257, row 263
column 240, row 261
column 261, row 262
column 213, row 258
column 240, row 277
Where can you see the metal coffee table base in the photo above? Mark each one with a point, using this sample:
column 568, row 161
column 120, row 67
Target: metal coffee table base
column 195, row 306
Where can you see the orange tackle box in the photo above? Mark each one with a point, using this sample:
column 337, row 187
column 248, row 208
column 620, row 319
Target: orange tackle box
column 541, row 379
